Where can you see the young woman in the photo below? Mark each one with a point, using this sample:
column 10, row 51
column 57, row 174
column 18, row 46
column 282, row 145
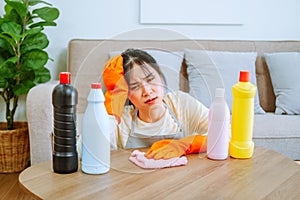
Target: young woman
column 169, row 123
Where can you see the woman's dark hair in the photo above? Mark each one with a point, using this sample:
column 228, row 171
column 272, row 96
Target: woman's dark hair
column 140, row 57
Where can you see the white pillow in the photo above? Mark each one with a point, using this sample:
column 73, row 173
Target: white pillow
column 208, row 70
column 169, row 62
column 284, row 68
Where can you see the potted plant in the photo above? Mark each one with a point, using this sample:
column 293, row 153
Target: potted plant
column 22, row 61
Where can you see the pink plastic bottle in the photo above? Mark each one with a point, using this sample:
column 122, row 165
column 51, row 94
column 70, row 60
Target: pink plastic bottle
column 218, row 127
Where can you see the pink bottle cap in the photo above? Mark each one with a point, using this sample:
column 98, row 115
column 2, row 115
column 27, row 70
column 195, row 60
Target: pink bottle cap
column 65, row 77
column 96, row 85
column 244, row 76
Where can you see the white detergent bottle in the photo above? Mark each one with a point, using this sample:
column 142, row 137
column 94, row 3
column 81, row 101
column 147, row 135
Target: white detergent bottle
column 95, row 134
column 218, row 127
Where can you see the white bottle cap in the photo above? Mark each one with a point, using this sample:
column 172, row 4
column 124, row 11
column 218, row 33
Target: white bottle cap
column 220, row 92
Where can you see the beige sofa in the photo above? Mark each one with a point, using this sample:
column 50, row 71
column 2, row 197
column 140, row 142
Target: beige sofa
column 87, row 57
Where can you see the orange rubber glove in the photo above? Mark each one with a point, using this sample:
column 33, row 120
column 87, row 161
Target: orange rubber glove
column 166, row 149
column 117, row 89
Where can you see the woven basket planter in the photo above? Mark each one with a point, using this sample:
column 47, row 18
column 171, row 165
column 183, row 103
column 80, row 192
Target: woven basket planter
column 14, row 148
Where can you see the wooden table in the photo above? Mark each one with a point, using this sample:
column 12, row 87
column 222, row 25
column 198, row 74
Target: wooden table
column 267, row 175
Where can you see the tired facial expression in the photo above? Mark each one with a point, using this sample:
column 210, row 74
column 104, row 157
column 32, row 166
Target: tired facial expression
column 146, row 90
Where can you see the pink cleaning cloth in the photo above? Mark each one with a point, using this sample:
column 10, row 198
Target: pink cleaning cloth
column 138, row 158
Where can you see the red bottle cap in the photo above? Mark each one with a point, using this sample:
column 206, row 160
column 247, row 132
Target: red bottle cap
column 244, row 76
column 65, row 77
column 96, row 86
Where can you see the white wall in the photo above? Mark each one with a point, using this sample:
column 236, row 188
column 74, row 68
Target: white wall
column 263, row 20
column 105, row 19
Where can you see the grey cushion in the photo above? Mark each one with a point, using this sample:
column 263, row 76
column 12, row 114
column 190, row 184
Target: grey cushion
column 284, row 70
column 278, row 132
column 208, row 70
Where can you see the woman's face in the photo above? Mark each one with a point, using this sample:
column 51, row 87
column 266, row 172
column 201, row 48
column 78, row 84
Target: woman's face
column 146, row 90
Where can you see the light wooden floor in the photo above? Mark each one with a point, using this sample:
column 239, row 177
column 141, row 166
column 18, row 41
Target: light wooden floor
column 11, row 190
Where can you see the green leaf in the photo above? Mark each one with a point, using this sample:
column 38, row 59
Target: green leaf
column 3, row 83
column 2, row 59
column 6, row 43
column 34, row 59
column 12, row 29
column 7, row 39
column 42, row 75
column 19, row 6
column 12, row 15
column 7, row 70
column 3, row 43
column 34, row 2
column 27, row 75
column 12, row 60
column 23, row 87
column 47, row 13
column 41, row 24
column 36, row 41
column 33, row 31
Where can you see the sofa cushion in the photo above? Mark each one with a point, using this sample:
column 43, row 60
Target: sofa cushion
column 208, row 70
column 169, row 62
column 280, row 133
column 284, row 70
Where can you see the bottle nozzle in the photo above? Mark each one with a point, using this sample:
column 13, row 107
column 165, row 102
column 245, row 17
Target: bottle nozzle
column 96, row 86
column 244, row 76
column 219, row 92
column 65, row 77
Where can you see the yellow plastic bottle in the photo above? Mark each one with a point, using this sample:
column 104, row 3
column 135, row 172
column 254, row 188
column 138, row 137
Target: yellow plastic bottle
column 241, row 144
